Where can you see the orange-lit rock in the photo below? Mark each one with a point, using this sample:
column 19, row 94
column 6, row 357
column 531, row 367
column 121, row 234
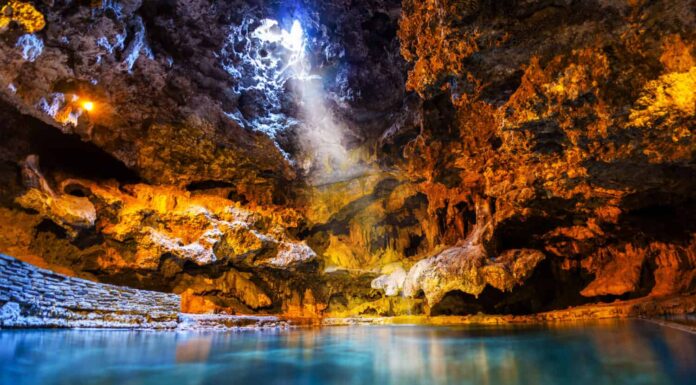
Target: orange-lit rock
column 22, row 13
column 616, row 272
column 584, row 141
column 71, row 212
column 506, row 157
column 157, row 231
column 303, row 305
column 233, row 292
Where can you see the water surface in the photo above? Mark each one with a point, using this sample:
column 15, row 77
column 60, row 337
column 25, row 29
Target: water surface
column 631, row 352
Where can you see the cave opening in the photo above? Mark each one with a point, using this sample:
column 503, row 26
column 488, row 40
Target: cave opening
column 659, row 216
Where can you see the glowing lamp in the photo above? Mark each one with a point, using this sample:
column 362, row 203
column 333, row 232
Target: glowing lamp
column 88, row 105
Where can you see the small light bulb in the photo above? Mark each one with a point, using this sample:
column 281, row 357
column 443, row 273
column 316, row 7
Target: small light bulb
column 88, row 106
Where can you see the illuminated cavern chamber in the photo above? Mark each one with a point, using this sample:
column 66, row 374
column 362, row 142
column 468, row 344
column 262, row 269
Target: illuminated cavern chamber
column 370, row 160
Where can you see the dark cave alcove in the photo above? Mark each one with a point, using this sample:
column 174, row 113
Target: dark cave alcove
column 548, row 288
column 66, row 154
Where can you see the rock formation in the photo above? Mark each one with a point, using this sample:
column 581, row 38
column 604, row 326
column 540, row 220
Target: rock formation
column 371, row 157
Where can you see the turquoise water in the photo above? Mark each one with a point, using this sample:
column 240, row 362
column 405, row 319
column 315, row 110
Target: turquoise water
column 633, row 352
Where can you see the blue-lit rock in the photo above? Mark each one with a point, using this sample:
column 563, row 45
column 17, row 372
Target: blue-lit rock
column 31, row 46
column 33, row 297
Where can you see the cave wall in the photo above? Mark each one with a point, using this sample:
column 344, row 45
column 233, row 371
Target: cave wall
column 33, row 297
column 575, row 123
column 508, row 157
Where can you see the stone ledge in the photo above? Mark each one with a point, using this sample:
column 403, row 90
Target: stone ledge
column 34, row 297
column 637, row 308
column 230, row 322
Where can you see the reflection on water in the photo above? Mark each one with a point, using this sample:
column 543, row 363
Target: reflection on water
column 607, row 353
column 195, row 349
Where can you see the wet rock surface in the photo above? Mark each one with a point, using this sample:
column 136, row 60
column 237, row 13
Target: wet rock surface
column 193, row 322
column 415, row 157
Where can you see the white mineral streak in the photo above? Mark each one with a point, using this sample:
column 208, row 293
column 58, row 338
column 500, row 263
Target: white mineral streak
column 391, row 283
column 31, row 45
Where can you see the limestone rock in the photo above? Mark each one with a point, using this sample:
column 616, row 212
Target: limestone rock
column 391, row 283
column 70, row 212
column 22, row 13
column 618, row 271
column 291, row 255
column 9, row 312
column 517, row 157
column 231, row 285
column 511, row 268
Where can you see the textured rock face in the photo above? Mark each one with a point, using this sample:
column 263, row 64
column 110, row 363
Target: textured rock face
column 575, row 121
column 90, row 54
column 347, row 158
column 169, row 233
column 32, row 297
column 178, row 72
